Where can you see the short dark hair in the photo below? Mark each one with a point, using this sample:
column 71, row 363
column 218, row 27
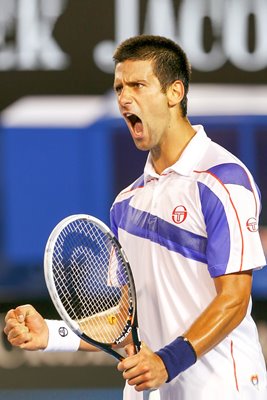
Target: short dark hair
column 170, row 62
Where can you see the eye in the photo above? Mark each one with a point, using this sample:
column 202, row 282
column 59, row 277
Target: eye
column 118, row 89
column 139, row 85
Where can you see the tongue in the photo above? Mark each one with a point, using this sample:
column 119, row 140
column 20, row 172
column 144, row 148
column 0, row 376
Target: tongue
column 138, row 128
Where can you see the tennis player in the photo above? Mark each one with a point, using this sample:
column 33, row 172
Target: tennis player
column 189, row 226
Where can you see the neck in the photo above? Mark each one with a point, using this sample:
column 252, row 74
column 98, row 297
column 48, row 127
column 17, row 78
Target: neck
column 172, row 146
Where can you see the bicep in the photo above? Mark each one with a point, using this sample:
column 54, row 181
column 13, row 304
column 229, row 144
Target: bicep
column 235, row 288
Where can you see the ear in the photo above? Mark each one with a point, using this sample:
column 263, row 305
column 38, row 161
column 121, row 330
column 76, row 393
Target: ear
column 175, row 93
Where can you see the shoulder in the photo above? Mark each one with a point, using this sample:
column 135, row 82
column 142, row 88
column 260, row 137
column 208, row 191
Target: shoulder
column 221, row 167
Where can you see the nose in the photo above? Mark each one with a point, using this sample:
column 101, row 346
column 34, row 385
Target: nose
column 125, row 97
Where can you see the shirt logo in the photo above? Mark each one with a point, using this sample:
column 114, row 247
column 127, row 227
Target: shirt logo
column 252, row 225
column 179, row 214
column 63, row 331
column 255, row 381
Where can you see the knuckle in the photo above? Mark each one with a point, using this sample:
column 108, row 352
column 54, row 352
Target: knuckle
column 18, row 341
column 9, row 315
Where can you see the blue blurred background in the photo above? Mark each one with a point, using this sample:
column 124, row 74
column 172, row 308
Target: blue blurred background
column 65, row 150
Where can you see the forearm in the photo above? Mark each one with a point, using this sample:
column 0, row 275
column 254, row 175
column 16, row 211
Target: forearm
column 223, row 314
column 215, row 323
column 84, row 346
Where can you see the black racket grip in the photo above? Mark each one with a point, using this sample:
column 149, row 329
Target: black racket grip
column 136, row 339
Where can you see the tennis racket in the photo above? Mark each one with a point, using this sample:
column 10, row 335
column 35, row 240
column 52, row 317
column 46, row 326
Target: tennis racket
column 91, row 284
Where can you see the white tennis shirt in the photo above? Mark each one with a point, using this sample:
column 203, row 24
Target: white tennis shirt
column 195, row 221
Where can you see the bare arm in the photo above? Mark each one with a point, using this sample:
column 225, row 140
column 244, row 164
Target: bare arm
column 27, row 329
column 223, row 314
column 107, row 325
column 146, row 369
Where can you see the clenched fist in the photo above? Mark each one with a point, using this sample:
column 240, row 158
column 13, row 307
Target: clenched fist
column 26, row 328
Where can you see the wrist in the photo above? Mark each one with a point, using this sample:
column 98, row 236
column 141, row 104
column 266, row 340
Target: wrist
column 61, row 337
column 177, row 356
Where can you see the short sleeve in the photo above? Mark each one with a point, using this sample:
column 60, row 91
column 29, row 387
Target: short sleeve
column 230, row 204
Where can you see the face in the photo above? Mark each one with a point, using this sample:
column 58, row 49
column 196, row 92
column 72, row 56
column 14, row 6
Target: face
column 142, row 103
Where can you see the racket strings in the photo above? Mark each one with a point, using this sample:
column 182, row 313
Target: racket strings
column 92, row 281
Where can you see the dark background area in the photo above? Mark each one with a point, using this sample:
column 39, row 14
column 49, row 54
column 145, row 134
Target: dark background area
column 84, row 23
column 29, row 162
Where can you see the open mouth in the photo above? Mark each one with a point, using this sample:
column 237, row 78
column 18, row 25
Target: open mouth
column 132, row 118
column 135, row 122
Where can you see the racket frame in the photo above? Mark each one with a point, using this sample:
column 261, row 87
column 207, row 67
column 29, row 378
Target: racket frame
column 48, row 272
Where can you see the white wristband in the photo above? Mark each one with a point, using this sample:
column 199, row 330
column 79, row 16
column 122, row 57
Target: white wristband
column 61, row 337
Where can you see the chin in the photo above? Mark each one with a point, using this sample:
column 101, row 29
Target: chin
column 141, row 146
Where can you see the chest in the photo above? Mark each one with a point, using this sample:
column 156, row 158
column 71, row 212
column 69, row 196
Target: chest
column 169, row 200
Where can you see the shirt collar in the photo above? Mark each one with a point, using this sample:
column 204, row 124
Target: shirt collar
column 188, row 160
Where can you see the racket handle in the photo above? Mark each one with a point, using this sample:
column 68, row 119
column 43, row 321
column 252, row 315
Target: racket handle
column 136, row 338
column 151, row 395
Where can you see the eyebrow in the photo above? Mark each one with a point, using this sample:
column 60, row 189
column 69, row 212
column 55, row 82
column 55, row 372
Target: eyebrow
column 129, row 83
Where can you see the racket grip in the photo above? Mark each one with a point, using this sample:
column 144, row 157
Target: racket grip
column 151, row 395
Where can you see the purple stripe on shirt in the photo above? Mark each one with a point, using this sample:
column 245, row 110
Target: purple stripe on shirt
column 218, row 243
column 231, row 173
column 149, row 226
